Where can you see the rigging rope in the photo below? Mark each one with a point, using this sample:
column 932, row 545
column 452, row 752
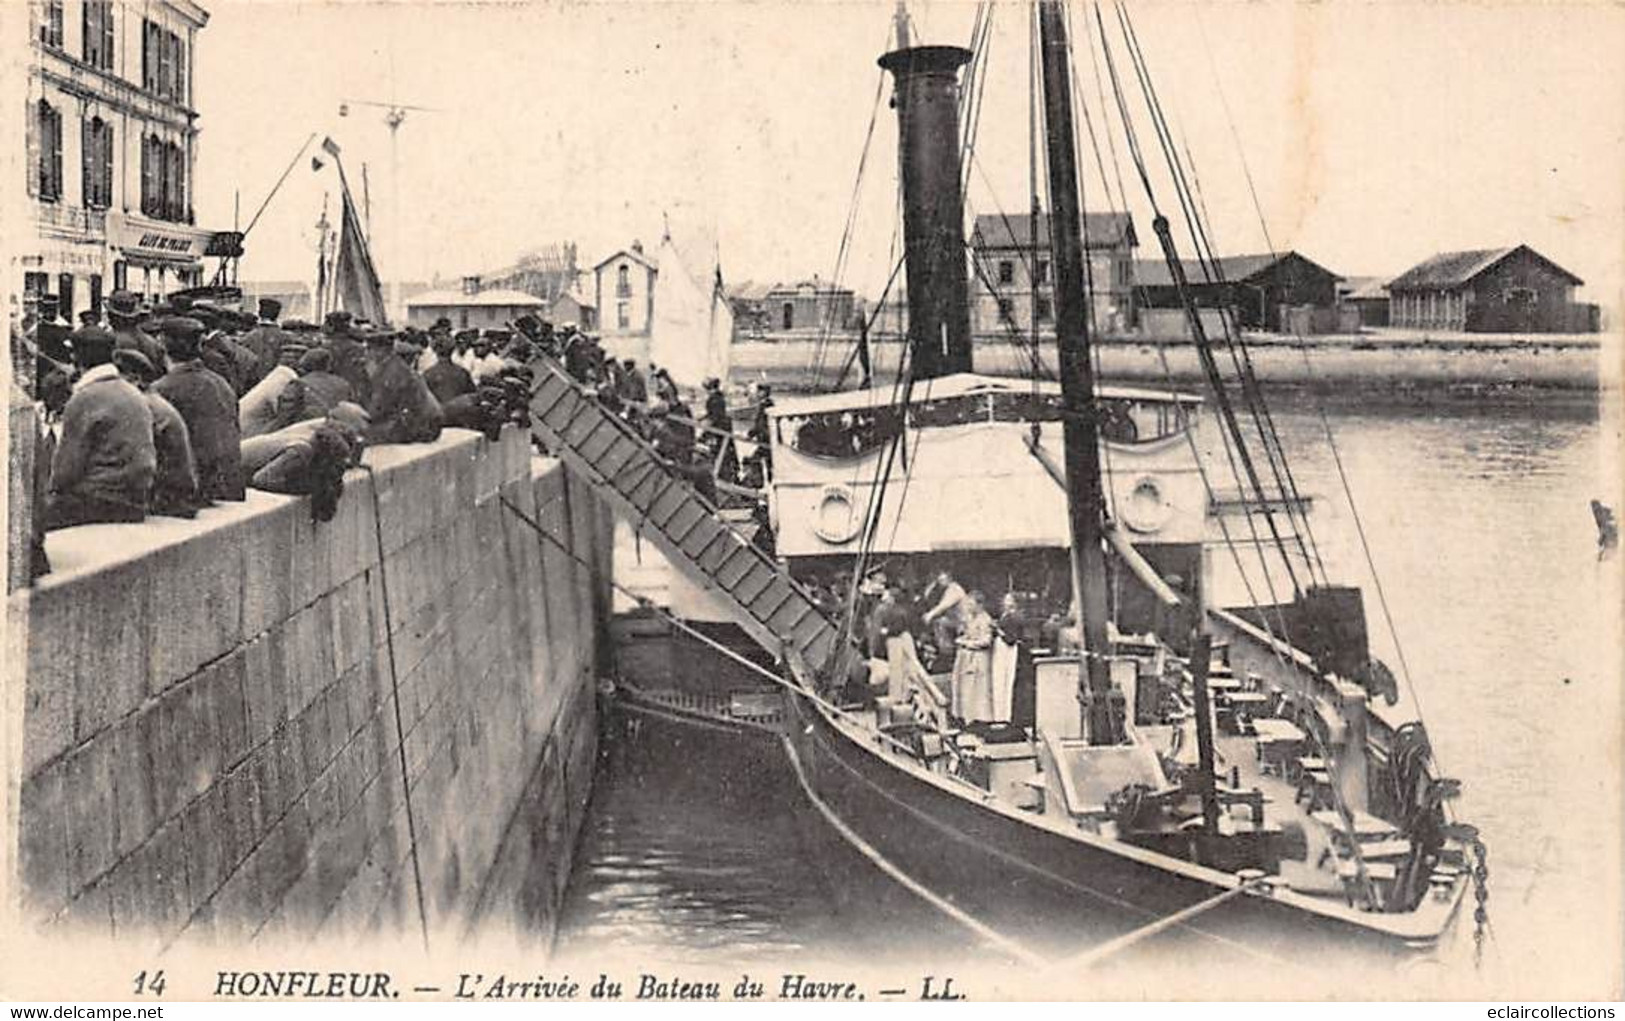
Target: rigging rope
column 1325, row 421
column 1241, row 361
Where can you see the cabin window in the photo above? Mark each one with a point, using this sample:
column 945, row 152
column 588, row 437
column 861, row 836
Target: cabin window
column 1521, row 296
column 1007, row 271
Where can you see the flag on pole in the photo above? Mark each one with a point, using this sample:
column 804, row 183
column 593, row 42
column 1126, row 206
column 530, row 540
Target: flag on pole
column 355, row 281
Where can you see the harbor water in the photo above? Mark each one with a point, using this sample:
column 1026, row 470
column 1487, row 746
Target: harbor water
column 1479, row 521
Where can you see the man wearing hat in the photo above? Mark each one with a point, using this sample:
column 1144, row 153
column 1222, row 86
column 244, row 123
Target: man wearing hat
column 208, row 407
column 349, row 357
column 317, row 390
column 124, row 316
column 105, row 460
column 265, row 338
column 174, row 484
column 90, row 317
column 399, row 404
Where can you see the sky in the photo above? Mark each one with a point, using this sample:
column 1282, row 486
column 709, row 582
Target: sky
column 1375, row 133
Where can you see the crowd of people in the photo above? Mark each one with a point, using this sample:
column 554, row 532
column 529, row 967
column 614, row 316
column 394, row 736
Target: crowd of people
column 169, row 408
column 945, row 647
column 702, row 448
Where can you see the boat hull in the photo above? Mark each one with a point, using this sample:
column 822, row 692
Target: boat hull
column 1054, row 892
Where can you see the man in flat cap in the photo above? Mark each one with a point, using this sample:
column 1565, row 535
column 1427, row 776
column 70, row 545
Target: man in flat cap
column 399, row 404
column 266, row 338
column 349, row 357
column 318, row 390
column 208, row 406
column 174, row 483
column 105, row 460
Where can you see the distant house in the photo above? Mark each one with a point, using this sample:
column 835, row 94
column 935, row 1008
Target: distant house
column 472, row 307
column 1014, row 286
column 573, row 306
column 624, row 292
column 1490, row 290
column 1262, row 291
column 808, row 305
column 1367, row 297
column 747, row 300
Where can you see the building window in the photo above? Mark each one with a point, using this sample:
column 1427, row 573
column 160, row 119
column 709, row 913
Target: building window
column 1007, row 271
column 121, row 275
column 1525, row 296
column 49, row 132
column 64, row 297
column 96, row 150
column 1041, row 271
column 163, row 180
column 163, row 63
column 50, row 26
column 96, row 293
column 1041, row 310
column 788, row 315
column 623, row 314
column 1006, row 311
column 623, row 281
column 98, row 33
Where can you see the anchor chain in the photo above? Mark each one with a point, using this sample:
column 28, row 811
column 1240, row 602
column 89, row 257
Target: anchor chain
column 1481, row 892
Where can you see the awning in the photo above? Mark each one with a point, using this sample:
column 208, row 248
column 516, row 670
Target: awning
column 155, row 242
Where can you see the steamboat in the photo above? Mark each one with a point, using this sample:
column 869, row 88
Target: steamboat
column 1176, row 728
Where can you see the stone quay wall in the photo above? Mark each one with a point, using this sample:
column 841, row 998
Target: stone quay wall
column 210, row 743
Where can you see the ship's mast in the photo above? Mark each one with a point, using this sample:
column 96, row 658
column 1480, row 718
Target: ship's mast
column 1085, row 504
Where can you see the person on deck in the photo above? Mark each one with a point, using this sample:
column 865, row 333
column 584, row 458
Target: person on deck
column 174, row 481
column 209, row 408
column 903, row 666
column 401, row 408
column 104, row 462
column 633, row 389
column 1013, row 676
column 973, row 663
column 946, row 614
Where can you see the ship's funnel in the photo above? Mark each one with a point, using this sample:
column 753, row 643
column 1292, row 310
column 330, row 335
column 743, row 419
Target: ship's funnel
column 927, row 101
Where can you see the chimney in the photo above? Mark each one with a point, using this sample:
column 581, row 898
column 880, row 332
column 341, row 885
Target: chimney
column 927, row 102
column 471, row 285
column 637, row 246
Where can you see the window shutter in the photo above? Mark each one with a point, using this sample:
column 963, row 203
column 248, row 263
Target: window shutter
column 146, row 175
column 89, row 33
column 181, row 91
column 33, row 135
column 87, row 160
column 109, row 36
column 54, row 153
column 107, row 165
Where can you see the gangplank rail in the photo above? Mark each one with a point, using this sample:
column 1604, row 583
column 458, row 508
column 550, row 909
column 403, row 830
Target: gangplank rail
column 773, row 608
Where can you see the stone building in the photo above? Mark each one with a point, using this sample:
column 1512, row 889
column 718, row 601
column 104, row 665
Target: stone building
column 1013, row 284
column 624, row 292
column 111, row 128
